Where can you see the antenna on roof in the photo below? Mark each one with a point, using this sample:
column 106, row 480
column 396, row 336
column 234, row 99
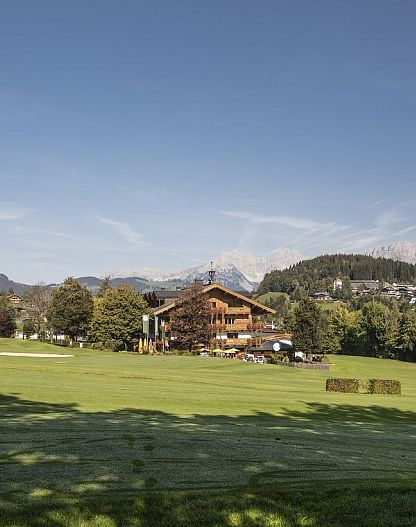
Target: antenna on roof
column 211, row 274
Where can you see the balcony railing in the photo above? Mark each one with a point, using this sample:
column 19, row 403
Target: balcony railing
column 242, row 310
column 229, row 327
column 238, row 342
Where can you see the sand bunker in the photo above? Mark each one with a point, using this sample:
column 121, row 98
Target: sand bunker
column 44, row 355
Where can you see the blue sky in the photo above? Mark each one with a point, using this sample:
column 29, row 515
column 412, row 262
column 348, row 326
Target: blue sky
column 160, row 133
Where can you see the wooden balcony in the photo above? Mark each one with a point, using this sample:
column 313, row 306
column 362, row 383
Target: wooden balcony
column 235, row 327
column 229, row 327
column 238, row 342
column 243, row 310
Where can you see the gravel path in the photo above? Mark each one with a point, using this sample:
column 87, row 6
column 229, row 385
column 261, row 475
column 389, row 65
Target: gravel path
column 51, row 355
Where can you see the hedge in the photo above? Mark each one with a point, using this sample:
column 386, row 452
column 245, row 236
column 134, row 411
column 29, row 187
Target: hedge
column 342, row 385
column 386, row 386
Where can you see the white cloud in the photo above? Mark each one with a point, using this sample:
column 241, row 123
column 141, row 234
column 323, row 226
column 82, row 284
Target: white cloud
column 294, row 222
column 124, row 230
column 7, row 214
column 378, row 203
column 317, row 236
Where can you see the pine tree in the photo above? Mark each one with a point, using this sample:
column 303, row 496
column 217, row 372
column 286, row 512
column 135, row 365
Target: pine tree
column 104, row 286
column 7, row 317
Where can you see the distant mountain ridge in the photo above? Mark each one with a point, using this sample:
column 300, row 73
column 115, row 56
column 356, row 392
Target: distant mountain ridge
column 6, row 285
column 237, row 269
column 402, row 251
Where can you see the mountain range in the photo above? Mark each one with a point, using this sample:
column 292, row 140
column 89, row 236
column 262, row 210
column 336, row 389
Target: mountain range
column 237, row 269
column 402, row 251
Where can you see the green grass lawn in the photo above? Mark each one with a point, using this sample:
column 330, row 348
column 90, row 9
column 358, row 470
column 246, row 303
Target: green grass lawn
column 115, row 440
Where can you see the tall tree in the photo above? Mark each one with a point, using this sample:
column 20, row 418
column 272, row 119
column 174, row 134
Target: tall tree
column 118, row 315
column 7, row 317
column 38, row 298
column 407, row 336
column 190, row 319
column 71, row 308
column 104, row 287
column 307, row 329
column 377, row 330
column 29, row 328
column 337, row 329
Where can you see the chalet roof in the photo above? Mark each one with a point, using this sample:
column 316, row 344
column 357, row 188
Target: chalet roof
column 209, row 288
column 364, row 281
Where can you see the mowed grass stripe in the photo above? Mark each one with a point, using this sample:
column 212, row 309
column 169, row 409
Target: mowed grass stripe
column 115, row 425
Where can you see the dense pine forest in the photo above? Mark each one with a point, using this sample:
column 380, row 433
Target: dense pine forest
column 319, row 273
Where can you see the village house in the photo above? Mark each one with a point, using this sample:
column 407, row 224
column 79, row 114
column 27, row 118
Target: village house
column 14, row 299
column 364, row 286
column 232, row 314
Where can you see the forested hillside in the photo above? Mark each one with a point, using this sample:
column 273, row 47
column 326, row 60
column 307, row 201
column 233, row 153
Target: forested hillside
column 319, row 273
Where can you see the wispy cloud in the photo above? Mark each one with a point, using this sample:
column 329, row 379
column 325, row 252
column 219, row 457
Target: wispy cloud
column 294, row 222
column 56, row 234
column 311, row 235
column 7, row 214
column 405, row 230
column 124, row 230
column 388, row 225
column 190, row 258
column 378, row 203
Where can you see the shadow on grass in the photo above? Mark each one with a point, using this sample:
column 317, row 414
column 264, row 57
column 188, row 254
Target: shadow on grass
column 331, row 465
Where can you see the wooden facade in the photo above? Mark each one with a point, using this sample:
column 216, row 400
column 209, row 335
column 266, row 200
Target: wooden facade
column 232, row 316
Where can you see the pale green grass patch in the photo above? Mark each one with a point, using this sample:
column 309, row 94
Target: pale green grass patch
column 113, row 438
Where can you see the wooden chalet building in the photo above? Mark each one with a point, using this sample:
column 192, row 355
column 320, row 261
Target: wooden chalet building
column 231, row 314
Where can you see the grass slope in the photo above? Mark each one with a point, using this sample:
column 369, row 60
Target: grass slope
column 105, row 440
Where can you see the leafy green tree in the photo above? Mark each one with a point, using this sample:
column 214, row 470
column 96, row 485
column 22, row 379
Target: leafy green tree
column 307, row 330
column 71, row 309
column 407, row 336
column 377, row 330
column 118, row 315
column 7, row 317
column 190, row 319
column 29, row 328
column 337, row 330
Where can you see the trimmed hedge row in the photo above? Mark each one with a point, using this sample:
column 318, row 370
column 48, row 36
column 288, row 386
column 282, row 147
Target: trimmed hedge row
column 383, row 386
column 342, row 385
column 387, row 386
